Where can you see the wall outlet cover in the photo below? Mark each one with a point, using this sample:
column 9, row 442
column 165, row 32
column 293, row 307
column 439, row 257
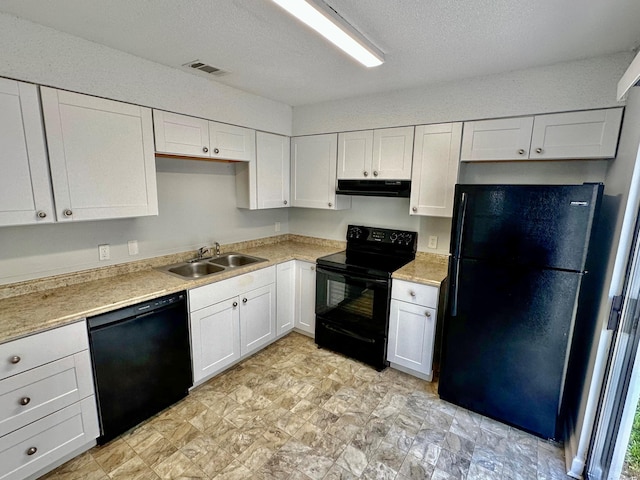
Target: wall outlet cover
column 433, row 241
column 104, row 252
column 133, row 247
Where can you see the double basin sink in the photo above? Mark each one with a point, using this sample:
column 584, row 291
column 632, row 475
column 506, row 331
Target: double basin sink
column 210, row 266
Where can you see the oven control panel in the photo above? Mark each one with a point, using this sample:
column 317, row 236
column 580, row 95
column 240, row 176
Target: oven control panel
column 404, row 240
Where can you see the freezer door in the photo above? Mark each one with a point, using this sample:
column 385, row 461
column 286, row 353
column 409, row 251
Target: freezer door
column 504, row 352
column 538, row 225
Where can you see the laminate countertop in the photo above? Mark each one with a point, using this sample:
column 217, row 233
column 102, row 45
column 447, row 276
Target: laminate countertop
column 64, row 299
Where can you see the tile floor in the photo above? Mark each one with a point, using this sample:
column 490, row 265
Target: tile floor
column 295, row 412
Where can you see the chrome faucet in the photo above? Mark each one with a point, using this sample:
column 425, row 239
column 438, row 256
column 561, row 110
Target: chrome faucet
column 202, row 251
column 217, row 245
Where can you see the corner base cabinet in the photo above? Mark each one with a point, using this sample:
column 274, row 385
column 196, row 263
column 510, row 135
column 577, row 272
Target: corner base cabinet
column 47, row 404
column 305, row 298
column 412, row 328
column 231, row 319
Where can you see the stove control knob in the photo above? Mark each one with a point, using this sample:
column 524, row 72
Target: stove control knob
column 393, row 237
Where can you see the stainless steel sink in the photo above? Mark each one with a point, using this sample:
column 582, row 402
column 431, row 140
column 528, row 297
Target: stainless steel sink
column 195, row 269
column 210, row 266
column 235, row 260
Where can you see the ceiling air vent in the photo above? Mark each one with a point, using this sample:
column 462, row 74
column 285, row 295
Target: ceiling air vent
column 204, row 68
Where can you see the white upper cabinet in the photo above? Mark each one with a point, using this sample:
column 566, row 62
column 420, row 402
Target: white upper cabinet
column 101, row 156
column 313, row 173
column 25, row 190
column 501, row 139
column 195, row 137
column 265, row 182
column 573, row 135
column 375, row 154
column 589, row 134
column 435, row 169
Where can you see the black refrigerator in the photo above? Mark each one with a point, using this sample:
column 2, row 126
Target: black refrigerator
column 516, row 274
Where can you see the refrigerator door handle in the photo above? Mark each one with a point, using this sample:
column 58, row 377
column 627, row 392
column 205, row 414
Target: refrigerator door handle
column 460, row 226
column 454, row 299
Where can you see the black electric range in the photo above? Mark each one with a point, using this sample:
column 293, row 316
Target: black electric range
column 353, row 292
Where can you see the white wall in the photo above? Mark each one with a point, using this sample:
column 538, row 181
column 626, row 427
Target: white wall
column 38, row 54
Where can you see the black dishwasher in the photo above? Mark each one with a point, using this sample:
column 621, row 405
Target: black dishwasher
column 141, row 361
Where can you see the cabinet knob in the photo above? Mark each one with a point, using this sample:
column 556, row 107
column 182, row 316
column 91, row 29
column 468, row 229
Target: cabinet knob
column 375, row 173
column 244, row 300
column 427, row 314
column 313, row 268
column 235, row 304
column 32, row 450
column 216, row 151
column 414, row 209
column 285, row 202
column 521, row 152
column 539, row 150
column 67, row 212
column 25, row 401
column 412, row 293
column 366, row 174
column 41, row 214
column 330, row 204
column 205, row 149
column 15, row 359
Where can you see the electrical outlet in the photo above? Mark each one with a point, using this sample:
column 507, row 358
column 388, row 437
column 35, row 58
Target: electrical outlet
column 103, row 252
column 433, row 241
column 133, row 247
column 277, row 226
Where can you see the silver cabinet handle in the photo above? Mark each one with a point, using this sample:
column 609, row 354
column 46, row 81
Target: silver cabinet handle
column 330, row 204
column 375, row 173
column 215, row 150
column 15, row 359
column 205, row 149
column 25, row 401
column 414, row 209
column 285, row 202
column 412, row 293
column 427, row 314
column 32, row 450
column 539, row 150
column 67, row 212
column 235, row 304
column 366, row 174
column 244, row 300
column 41, row 214
column 521, row 152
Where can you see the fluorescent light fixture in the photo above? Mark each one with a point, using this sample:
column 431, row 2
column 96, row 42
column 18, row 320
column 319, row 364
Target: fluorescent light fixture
column 334, row 28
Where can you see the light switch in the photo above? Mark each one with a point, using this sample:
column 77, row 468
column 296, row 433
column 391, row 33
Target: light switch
column 133, row 247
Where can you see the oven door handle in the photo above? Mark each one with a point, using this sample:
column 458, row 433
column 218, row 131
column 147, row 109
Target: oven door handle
column 351, row 276
column 348, row 333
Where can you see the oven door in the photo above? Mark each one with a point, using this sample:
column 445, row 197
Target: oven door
column 352, row 314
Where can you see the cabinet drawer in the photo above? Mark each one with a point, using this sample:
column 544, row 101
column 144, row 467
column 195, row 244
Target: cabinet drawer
column 216, row 292
column 44, row 390
column 417, row 293
column 41, row 348
column 52, row 438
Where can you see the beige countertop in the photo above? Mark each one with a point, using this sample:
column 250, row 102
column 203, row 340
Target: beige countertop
column 62, row 301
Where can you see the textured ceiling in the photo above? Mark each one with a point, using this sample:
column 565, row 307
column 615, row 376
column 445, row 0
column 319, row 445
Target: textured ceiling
column 269, row 53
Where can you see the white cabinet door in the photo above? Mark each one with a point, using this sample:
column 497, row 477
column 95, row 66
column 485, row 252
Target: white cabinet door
column 101, row 156
column 500, row 139
column 229, row 142
column 181, row 135
column 313, row 172
column 286, row 297
column 435, row 169
column 25, row 190
column 215, row 338
column 355, row 153
column 411, row 337
column 273, row 170
column 392, row 153
column 306, row 297
column 588, row 134
column 257, row 318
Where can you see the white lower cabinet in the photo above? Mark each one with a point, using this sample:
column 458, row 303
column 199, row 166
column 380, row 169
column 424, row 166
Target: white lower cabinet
column 47, row 405
column 286, row 297
column 306, row 297
column 412, row 328
column 231, row 319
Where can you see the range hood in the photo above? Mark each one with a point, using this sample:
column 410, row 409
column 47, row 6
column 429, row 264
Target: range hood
column 375, row 188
